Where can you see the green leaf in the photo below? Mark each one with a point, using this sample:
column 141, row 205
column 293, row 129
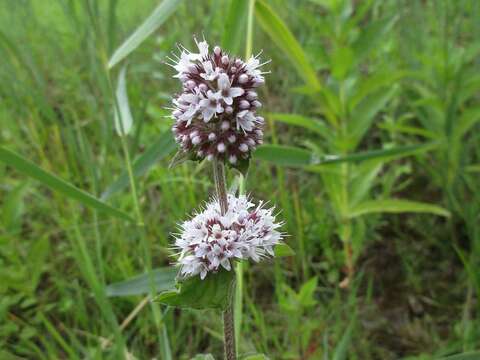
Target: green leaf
column 242, row 166
column 235, row 25
column 213, row 292
column 341, row 349
column 371, row 36
column 468, row 119
column 164, row 145
column 283, row 250
column 122, row 114
column 396, row 206
column 364, row 113
column 473, row 355
column 57, row 184
column 314, row 125
column 284, row 155
column 160, row 279
column 341, row 61
column 284, row 39
column 161, row 13
column 306, row 295
column 383, row 154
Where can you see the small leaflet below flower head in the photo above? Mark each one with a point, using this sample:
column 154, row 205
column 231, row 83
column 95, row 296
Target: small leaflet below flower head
column 211, row 241
column 218, row 97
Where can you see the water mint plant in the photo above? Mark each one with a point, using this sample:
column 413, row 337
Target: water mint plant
column 215, row 118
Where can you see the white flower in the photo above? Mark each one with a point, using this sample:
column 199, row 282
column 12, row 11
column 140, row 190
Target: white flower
column 210, row 240
column 210, row 106
column 226, row 92
column 245, row 120
column 210, row 74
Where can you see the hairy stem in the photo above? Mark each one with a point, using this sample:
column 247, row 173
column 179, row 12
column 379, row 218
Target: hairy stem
column 228, row 321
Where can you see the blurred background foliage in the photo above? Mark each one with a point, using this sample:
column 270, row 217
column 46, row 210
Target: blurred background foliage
column 372, row 155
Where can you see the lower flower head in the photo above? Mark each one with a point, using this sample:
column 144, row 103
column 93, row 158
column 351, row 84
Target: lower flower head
column 211, row 241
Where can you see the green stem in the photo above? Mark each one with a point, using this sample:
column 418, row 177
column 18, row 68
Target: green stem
column 228, row 320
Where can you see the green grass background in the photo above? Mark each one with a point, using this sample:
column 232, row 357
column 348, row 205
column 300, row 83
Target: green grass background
column 363, row 75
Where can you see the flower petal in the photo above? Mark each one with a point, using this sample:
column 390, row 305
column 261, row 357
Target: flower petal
column 223, row 82
column 236, row 92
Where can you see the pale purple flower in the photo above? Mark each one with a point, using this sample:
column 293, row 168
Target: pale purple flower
column 218, row 97
column 210, row 106
column 210, row 241
column 226, row 92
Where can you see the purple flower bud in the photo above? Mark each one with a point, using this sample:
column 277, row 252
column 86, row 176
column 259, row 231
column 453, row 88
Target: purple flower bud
column 251, row 95
column 190, row 84
column 221, row 147
column 244, row 104
column 233, row 69
column 225, row 125
column 243, row 147
column 225, row 60
column 212, row 136
column 196, row 140
column 242, row 79
column 232, row 138
column 203, row 87
column 257, row 104
column 216, row 50
column 228, row 110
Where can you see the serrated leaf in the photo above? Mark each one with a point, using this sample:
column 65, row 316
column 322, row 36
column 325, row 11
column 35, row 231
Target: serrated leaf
column 396, row 206
column 214, row 292
column 161, row 13
column 57, row 184
column 121, row 110
column 163, row 146
column 283, row 250
column 161, row 279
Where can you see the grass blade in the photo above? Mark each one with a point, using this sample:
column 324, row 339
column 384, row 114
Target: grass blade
column 396, row 206
column 123, row 116
column 273, row 25
column 235, row 25
column 156, row 18
column 161, row 279
column 161, row 148
column 57, row 184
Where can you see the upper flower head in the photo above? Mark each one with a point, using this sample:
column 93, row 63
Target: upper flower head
column 211, row 240
column 216, row 113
